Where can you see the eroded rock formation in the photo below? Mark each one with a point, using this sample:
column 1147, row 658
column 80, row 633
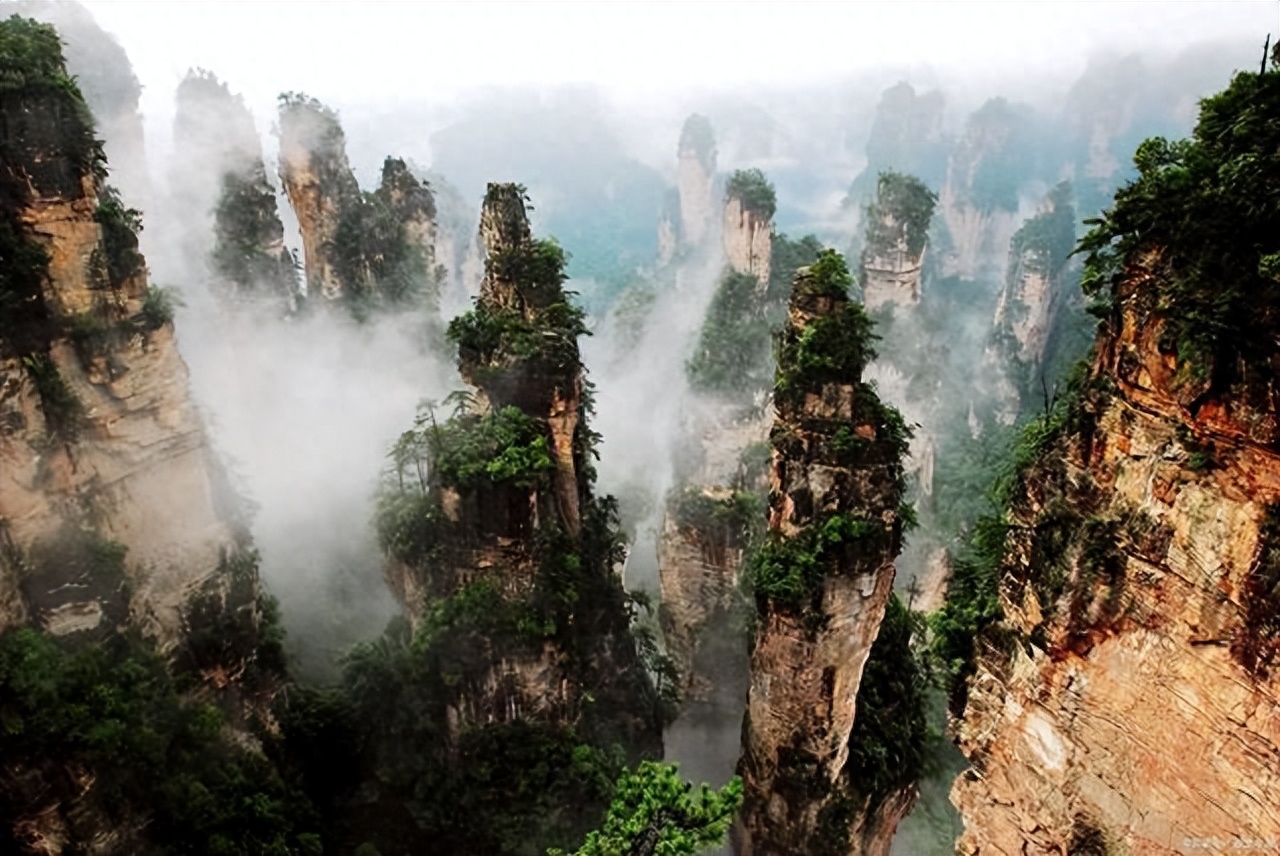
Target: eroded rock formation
column 510, row 514
column 320, row 185
column 896, row 236
column 708, row 526
column 749, row 205
column 366, row 250
column 1124, row 696
column 1159, row 550
column 1035, row 284
column 223, row 173
column 695, row 179
column 822, row 582
column 101, row 442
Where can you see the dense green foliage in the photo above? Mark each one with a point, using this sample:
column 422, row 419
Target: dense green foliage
column 733, row 347
column 24, row 265
column 113, row 711
column 232, row 627
column 828, row 275
column 754, row 191
column 890, row 741
column 1203, row 216
column 902, row 208
column 158, row 305
column 736, row 519
column 788, row 572
column 516, row 788
column 733, row 357
column 33, row 76
column 63, row 411
column 373, row 253
column 832, row 348
column 121, row 260
column 542, row 333
column 655, row 813
column 972, row 602
column 503, row 446
column 1049, row 238
column 245, row 226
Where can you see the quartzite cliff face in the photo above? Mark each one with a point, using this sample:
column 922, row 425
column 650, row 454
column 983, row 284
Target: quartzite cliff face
column 695, row 181
column 1122, row 721
column 364, row 250
column 896, row 237
column 822, row 582
column 1127, row 699
column 98, row 434
column 320, row 186
column 1035, row 285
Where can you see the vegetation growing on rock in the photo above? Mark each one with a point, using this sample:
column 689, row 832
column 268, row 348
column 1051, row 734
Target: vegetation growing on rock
column 1196, row 223
column 754, row 191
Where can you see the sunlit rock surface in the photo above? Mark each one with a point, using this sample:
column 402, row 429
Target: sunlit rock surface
column 1122, row 715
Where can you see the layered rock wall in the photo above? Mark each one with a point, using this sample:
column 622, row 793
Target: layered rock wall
column 748, row 238
column 1123, row 710
column 99, row 437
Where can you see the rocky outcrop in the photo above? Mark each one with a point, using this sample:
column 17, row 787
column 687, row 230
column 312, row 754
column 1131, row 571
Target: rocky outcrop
column 979, row 199
column 366, row 251
column 321, row 188
column 1124, row 696
column 708, row 526
column 695, row 178
column 821, row 582
column 510, row 516
column 749, row 205
column 1058, row 732
column 110, row 89
column 100, row 442
column 1143, row 636
column 222, row 172
column 1035, row 285
column 896, row 236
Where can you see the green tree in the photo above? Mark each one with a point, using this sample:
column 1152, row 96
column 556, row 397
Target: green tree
column 656, row 813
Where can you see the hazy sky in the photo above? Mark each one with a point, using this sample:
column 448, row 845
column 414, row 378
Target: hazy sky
column 348, row 51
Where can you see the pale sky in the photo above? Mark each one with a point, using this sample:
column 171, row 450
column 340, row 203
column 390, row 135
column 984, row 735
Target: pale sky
column 390, row 51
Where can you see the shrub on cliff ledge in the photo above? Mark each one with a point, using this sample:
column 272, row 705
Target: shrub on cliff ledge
column 754, row 191
column 789, row 571
column 32, row 69
column 1204, row 215
column 902, row 203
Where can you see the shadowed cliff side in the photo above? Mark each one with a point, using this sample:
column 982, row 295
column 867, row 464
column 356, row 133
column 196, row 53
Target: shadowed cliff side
column 821, row 582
